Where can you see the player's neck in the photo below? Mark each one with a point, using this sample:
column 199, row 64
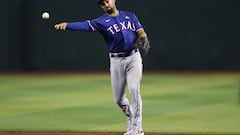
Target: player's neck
column 114, row 13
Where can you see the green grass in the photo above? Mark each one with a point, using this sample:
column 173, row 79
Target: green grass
column 172, row 103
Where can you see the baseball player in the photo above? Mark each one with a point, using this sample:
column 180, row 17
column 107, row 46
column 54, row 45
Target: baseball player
column 121, row 31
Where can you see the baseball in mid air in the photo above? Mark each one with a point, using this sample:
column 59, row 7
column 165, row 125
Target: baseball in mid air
column 45, row 15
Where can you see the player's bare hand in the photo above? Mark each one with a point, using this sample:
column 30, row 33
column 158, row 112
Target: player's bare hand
column 61, row 26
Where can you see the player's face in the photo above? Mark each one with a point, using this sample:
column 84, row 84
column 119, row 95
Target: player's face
column 108, row 6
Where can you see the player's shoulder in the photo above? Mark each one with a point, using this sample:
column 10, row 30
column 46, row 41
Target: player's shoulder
column 100, row 18
column 127, row 13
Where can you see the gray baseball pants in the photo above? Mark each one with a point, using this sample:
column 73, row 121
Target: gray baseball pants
column 127, row 71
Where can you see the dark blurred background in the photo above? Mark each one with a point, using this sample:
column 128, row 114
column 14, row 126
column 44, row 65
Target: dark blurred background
column 184, row 34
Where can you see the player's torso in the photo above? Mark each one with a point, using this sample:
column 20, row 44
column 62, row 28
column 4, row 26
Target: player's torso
column 115, row 25
column 118, row 31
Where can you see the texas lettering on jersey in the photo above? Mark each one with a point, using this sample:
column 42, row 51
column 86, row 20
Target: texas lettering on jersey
column 124, row 25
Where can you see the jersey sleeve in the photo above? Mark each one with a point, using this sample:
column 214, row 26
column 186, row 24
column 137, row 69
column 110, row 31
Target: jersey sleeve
column 93, row 25
column 89, row 26
column 136, row 22
column 78, row 26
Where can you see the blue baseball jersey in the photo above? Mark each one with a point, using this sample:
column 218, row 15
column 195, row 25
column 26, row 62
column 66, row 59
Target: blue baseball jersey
column 119, row 31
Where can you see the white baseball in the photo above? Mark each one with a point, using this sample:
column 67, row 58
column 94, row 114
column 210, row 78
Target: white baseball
column 45, row 15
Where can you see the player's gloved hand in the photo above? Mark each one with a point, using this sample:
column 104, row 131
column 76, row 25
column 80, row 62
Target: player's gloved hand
column 143, row 44
column 61, row 26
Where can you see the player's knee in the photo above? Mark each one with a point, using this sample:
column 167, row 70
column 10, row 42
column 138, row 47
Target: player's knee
column 119, row 103
column 133, row 87
column 125, row 109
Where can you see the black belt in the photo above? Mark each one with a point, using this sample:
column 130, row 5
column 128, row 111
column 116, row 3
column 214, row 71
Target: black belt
column 124, row 54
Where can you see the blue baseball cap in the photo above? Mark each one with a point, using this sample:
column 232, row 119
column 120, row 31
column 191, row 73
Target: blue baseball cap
column 99, row 1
